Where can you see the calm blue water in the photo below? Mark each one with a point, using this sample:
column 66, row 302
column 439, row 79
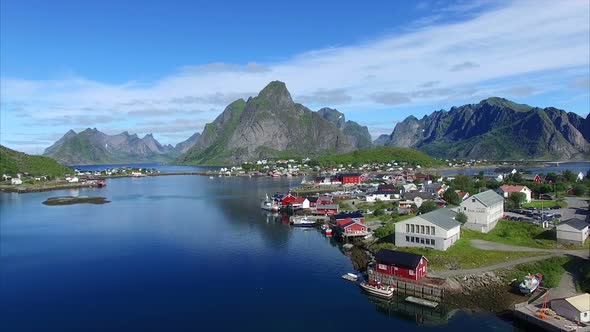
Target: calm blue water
column 159, row 167
column 578, row 166
column 184, row 253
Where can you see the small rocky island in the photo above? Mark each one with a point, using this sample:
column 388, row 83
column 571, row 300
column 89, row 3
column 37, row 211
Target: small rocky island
column 68, row 200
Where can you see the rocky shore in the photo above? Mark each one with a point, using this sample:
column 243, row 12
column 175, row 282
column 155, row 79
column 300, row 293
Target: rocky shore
column 482, row 292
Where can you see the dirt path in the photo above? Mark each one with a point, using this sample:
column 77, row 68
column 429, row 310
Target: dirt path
column 487, row 245
column 454, row 273
column 568, row 282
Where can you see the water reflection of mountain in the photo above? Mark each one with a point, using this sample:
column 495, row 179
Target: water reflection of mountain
column 398, row 307
column 238, row 199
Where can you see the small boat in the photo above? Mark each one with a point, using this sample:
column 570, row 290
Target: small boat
column 211, row 177
column 302, row 222
column 350, row 277
column 269, row 205
column 328, row 231
column 426, row 303
column 530, row 283
column 377, row 289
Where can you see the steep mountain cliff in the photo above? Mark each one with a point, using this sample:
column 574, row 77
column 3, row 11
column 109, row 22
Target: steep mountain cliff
column 357, row 135
column 95, row 147
column 382, row 140
column 496, row 128
column 183, row 146
column 268, row 125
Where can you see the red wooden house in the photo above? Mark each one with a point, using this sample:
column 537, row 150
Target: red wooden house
column 327, row 209
column 347, row 217
column 401, row 264
column 353, row 227
column 313, row 200
column 325, row 200
column 289, row 199
column 350, row 178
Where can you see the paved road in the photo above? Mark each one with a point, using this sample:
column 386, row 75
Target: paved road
column 487, row 245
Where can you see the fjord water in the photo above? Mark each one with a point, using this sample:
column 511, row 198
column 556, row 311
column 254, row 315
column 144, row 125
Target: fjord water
column 184, row 253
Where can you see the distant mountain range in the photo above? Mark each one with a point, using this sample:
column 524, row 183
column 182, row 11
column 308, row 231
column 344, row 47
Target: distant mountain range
column 495, row 129
column 92, row 146
column 273, row 125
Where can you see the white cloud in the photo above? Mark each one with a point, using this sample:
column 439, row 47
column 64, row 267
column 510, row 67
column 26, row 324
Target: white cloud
column 520, row 38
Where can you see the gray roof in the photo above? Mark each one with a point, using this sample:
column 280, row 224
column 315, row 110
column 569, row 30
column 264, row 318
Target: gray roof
column 443, row 218
column 489, row 197
column 576, row 223
column 424, row 195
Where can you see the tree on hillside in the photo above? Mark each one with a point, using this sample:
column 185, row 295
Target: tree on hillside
column 516, row 199
column 569, row 176
column 463, row 182
column 579, row 189
column 461, row 217
column 427, row 207
column 451, row 197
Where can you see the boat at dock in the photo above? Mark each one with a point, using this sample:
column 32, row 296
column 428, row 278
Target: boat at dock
column 350, row 277
column 302, row 222
column 530, row 283
column 269, row 205
column 377, row 289
column 426, row 303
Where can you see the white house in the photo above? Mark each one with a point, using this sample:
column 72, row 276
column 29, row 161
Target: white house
column 74, row 179
column 580, row 177
column 573, row 231
column 507, row 190
column 379, row 196
column 483, row 211
column 437, row 229
column 409, row 187
column 16, row 181
column 136, row 173
column 575, row 308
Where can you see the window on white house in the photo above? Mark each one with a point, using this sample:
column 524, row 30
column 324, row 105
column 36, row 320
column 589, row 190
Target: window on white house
column 407, row 228
column 427, row 230
column 432, row 242
column 413, row 229
column 407, row 239
column 422, row 229
column 433, row 230
column 428, row 241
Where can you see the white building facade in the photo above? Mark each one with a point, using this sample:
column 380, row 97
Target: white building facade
column 437, row 230
column 483, row 211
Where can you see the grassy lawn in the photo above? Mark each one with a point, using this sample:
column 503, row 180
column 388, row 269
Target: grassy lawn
column 552, row 269
column 462, row 255
column 546, row 204
column 518, row 233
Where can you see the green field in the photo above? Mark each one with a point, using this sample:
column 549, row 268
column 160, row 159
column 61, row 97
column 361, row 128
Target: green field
column 552, row 269
column 462, row 255
column 545, row 204
column 523, row 234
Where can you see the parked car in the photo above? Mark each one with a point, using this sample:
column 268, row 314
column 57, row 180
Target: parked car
column 555, row 207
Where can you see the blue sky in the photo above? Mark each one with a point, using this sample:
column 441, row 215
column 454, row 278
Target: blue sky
column 169, row 67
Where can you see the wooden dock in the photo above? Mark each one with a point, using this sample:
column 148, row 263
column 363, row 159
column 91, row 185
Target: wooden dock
column 418, row 289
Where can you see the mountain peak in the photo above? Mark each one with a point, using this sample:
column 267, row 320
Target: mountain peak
column 276, row 91
column 333, row 115
column 504, row 103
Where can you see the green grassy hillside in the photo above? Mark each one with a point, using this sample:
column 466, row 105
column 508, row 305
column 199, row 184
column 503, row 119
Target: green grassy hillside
column 13, row 162
column 380, row 155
